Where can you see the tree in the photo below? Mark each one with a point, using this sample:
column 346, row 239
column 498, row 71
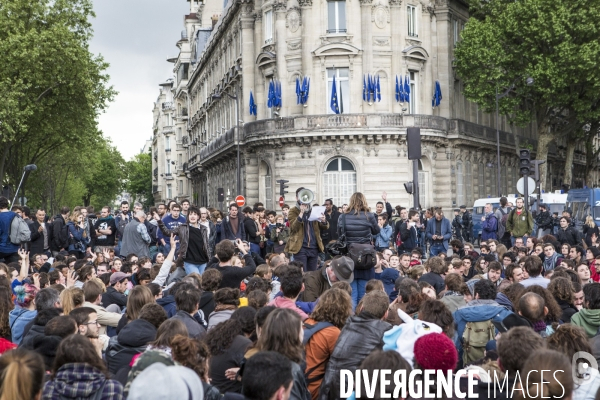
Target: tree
column 52, row 87
column 105, row 177
column 556, row 43
column 139, row 179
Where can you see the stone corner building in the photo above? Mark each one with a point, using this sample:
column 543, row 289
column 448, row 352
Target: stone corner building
column 364, row 148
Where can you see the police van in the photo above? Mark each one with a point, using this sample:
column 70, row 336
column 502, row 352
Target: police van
column 584, row 202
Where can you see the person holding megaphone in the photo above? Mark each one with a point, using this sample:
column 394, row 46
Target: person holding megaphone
column 305, row 236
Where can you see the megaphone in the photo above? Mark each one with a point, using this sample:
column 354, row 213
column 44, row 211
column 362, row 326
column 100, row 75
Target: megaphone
column 306, row 196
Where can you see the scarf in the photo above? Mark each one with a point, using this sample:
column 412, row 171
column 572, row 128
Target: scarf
column 223, row 307
column 539, row 326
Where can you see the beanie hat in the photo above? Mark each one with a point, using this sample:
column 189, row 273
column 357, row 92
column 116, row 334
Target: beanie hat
column 471, row 286
column 436, row 351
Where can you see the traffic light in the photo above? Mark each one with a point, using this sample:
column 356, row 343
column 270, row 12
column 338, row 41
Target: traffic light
column 409, row 187
column 282, row 187
column 524, row 161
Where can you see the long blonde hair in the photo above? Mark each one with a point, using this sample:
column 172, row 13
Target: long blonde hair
column 589, row 221
column 358, row 203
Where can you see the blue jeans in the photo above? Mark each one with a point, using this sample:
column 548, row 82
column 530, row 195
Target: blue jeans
column 513, row 239
column 358, row 290
column 436, row 249
column 189, row 268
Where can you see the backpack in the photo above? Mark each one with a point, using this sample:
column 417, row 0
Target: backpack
column 502, row 222
column 63, row 236
column 19, row 231
column 474, row 338
column 309, row 331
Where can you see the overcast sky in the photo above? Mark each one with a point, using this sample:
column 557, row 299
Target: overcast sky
column 136, row 38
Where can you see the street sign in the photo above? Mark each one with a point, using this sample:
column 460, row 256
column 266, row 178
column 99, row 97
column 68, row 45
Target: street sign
column 240, row 201
column 281, row 201
column 530, row 187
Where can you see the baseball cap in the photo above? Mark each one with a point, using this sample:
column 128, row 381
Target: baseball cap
column 118, row 277
column 343, row 268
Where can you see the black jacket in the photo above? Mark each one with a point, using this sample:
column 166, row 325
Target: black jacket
column 113, row 297
column 568, row 310
column 251, row 230
column 360, row 336
column 207, row 303
column 36, row 246
column 360, row 228
column 132, row 340
column 226, row 233
column 544, row 220
column 34, row 332
column 409, row 238
column 331, row 233
column 195, row 330
column 57, row 226
column 569, row 235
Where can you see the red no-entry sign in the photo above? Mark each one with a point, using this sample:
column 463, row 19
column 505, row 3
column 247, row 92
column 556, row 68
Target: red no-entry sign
column 281, row 201
column 240, row 201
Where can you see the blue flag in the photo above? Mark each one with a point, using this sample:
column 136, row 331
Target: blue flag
column 407, row 88
column 397, row 90
column 364, row 88
column 378, row 90
column 438, row 88
column 252, row 104
column 298, row 92
column 335, row 106
column 270, row 95
column 306, row 90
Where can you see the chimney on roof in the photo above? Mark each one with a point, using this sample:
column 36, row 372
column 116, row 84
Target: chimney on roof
column 214, row 19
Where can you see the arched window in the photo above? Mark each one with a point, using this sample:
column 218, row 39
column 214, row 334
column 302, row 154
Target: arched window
column 339, row 181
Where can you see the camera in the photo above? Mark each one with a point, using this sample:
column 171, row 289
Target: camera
column 280, row 226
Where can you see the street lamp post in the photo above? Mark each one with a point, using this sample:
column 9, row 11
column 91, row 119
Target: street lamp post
column 27, row 168
column 237, row 118
column 529, row 82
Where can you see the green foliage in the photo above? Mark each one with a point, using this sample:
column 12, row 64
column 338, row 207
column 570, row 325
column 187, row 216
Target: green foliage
column 139, row 179
column 556, row 42
column 52, row 85
column 52, row 91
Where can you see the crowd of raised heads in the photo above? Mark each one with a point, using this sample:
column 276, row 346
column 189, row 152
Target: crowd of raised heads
column 189, row 302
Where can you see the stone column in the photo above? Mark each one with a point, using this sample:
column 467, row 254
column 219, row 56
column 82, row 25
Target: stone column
column 250, row 177
column 248, row 60
column 260, row 95
column 444, row 55
column 308, row 41
column 396, row 44
column 280, row 10
column 367, row 47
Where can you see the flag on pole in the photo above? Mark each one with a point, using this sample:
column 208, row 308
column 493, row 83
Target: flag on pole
column 378, row 90
column 365, row 94
column 397, row 90
column 334, row 104
column 252, row 104
column 407, row 88
column 270, row 95
column 298, row 91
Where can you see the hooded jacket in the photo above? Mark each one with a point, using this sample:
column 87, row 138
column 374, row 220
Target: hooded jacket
column 81, row 381
column 588, row 320
column 183, row 231
column 519, row 225
column 282, row 302
column 216, row 317
column 474, row 312
column 207, row 303
column 46, row 346
column 168, row 303
column 131, row 340
column 568, row 310
column 18, row 318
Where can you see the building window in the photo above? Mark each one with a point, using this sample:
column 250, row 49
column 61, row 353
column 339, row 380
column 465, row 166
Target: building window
column 182, row 72
column 412, row 21
column 339, row 181
column 180, row 188
column 169, row 191
column 460, row 184
column 336, row 15
column 268, row 27
column 342, row 87
column 179, row 134
column 167, row 143
column 168, row 168
column 414, row 88
column 422, row 186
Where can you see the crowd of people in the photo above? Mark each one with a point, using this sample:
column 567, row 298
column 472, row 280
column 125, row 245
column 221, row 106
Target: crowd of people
column 187, row 302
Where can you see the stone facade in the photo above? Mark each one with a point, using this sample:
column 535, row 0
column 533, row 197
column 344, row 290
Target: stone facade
column 363, row 149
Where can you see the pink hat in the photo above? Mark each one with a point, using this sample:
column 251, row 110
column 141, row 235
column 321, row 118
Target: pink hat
column 436, row 351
